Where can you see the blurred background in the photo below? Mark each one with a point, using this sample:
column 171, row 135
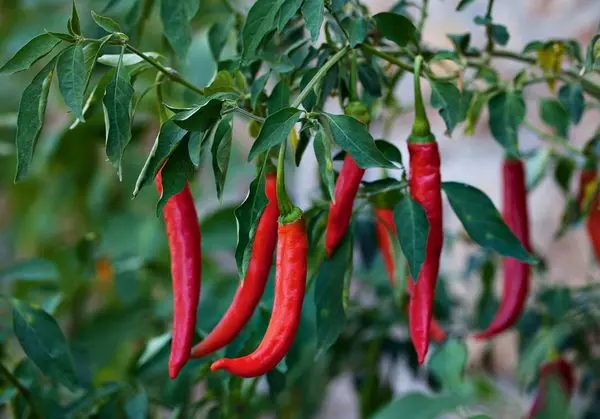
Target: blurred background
column 73, row 240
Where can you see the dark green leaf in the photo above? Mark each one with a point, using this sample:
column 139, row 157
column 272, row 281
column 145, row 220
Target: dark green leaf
column 369, row 78
column 354, row 137
column 563, row 172
column 30, row 270
column 259, row 22
column 44, row 343
column 483, row 222
column 446, row 97
column 71, row 78
column 257, row 88
column 500, row 34
column 175, row 18
column 421, row 406
column 175, row 174
column 200, row 117
column 301, row 146
column 106, row 23
column 218, row 35
column 356, row 29
column 280, row 98
column 463, row 4
column 287, row 12
column 330, row 288
column 555, row 115
column 571, row 97
column 313, row 12
column 389, row 150
column 592, row 55
column 137, row 406
column 476, row 105
column 274, row 131
column 395, row 27
column 448, row 364
column 166, row 142
column 507, row 112
column 117, row 115
column 322, row 147
column 460, row 41
column 74, row 26
column 30, row 53
column 221, row 150
column 413, row 228
column 63, row 36
column 197, row 145
column 31, row 118
column 247, row 216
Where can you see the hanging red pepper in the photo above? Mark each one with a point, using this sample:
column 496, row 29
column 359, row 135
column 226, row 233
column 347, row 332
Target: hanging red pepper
column 588, row 180
column 384, row 227
column 425, row 188
column 183, row 234
column 559, row 370
column 516, row 273
column 436, row 331
column 290, row 285
column 252, row 288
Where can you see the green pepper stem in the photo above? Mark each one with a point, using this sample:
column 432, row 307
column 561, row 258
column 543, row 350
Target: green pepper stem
column 421, row 131
column 283, row 199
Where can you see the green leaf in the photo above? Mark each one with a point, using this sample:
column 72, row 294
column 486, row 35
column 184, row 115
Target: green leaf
column 44, row 343
column 313, row 12
column 500, row 34
column 460, row 41
column 221, row 151
column 474, row 111
column 247, row 216
column 413, row 228
column 197, row 145
column 30, row 119
column 592, row 55
column 117, row 115
column 74, row 26
column 28, row 55
column 556, row 402
column 126, row 60
column 389, row 150
column 259, row 22
column 71, row 78
column 571, row 97
column 369, row 78
column 448, row 364
column 200, row 117
column 483, row 222
column 166, row 142
column 395, row 27
column 257, row 88
column 421, row 406
column 537, row 166
column 354, row 137
column 356, row 28
column 322, row 147
column 274, row 131
column 175, row 18
column 537, row 352
column 330, row 292
column 280, row 98
column 137, row 406
column 555, row 115
column 225, row 82
column 30, row 270
column 287, row 12
column 463, row 5
column 446, row 97
column 106, row 23
column 507, row 112
column 175, row 174
column 218, row 34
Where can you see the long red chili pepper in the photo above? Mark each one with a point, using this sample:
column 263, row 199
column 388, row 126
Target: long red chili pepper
column 384, row 226
column 425, row 188
column 183, row 234
column 562, row 371
column 290, row 285
column 252, row 288
column 340, row 210
column 436, row 331
column 516, row 273
column 592, row 223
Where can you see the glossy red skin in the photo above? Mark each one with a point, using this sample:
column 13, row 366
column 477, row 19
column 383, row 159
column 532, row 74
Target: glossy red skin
column 436, row 331
column 183, row 233
column 290, row 285
column 560, row 369
column 250, row 291
column 340, row 210
column 425, row 188
column 516, row 274
column 592, row 222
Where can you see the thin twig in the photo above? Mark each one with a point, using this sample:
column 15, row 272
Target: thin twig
column 4, row 372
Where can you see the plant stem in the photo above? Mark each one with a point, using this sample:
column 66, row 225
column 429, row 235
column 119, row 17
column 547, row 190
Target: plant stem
column 283, row 199
column 247, row 114
column 320, row 74
column 423, row 18
column 171, row 74
column 488, row 30
column 353, row 77
column 4, row 372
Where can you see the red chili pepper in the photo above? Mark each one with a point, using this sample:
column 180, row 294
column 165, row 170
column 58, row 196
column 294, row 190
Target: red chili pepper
column 252, row 288
column 436, row 331
column 340, row 210
column 425, row 188
column 183, row 234
column 290, row 285
column 562, row 371
column 516, row 273
column 592, row 223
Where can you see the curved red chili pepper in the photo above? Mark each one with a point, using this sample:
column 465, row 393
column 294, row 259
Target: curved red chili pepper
column 340, row 210
column 290, row 284
column 436, row 331
column 592, row 222
column 425, row 188
column 516, row 273
column 252, row 288
column 561, row 370
column 183, row 234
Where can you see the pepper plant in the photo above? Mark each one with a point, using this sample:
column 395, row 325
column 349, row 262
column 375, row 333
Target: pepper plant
column 164, row 90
